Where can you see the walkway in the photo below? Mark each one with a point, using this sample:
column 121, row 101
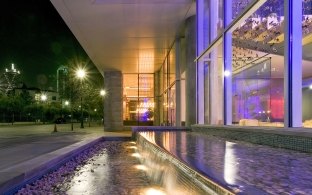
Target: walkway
column 25, row 148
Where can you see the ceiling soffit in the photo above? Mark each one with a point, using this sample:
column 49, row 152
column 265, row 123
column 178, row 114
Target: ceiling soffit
column 127, row 35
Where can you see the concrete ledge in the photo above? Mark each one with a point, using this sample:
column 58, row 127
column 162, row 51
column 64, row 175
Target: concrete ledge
column 299, row 139
column 15, row 177
column 158, row 128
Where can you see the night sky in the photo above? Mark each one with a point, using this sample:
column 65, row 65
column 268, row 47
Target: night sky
column 35, row 38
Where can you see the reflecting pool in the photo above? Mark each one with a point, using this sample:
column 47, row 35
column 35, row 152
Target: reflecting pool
column 246, row 167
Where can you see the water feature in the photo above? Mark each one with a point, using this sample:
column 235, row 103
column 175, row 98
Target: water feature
column 110, row 167
column 242, row 167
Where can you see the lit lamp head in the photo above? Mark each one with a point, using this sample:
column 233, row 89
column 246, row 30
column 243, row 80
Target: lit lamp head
column 102, row 92
column 43, row 97
column 66, row 103
column 81, row 73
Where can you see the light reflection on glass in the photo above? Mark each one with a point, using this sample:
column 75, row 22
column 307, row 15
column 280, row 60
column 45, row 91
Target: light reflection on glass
column 230, row 163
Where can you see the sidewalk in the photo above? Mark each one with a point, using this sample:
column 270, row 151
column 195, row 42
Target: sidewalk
column 26, row 151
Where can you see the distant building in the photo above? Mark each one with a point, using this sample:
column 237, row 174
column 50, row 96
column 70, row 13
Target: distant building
column 39, row 95
column 61, row 80
column 10, row 79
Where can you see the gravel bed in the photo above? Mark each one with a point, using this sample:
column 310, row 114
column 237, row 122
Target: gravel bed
column 108, row 164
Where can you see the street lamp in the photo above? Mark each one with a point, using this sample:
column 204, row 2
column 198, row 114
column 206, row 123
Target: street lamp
column 71, row 114
column 43, row 98
column 103, row 93
column 81, row 74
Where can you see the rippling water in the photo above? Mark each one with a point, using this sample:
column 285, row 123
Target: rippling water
column 253, row 169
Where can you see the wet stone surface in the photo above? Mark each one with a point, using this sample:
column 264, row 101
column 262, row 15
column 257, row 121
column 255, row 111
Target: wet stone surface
column 107, row 168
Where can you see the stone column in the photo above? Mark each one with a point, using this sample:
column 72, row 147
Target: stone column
column 113, row 101
column 190, row 76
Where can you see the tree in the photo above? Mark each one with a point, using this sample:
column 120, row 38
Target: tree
column 88, row 89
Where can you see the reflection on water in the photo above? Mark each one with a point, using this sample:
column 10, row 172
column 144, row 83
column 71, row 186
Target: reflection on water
column 245, row 167
column 230, row 170
column 115, row 171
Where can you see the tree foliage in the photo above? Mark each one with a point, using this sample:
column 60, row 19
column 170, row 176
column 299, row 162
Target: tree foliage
column 23, row 107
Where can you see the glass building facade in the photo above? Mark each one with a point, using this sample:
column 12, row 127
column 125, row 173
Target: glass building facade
column 225, row 62
column 253, row 64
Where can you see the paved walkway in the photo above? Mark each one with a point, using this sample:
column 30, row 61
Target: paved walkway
column 24, row 148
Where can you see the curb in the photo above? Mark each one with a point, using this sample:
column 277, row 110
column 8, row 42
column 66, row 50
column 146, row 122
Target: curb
column 18, row 175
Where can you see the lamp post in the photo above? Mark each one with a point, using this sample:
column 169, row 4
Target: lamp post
column 103, row 93
column 71, row 114
column 81, row 73
column 43, row 98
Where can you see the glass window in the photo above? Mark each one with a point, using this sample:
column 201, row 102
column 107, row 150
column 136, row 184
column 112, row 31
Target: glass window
column 239, row 6
column 307, row 64
column 172, row 65
column 215, row 18
column 145, row 110
column 213, row 86
column 146, row 85
column 258, row 67
column 138, row 99
column 172, row 106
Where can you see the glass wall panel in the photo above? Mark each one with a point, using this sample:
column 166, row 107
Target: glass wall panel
column 307, row 63
column 161, row 79
column 138, row 99
column 146, row 85
column 216, row 18
column 258, row 67
column 145, row 110
column 172, row 65
column 165, row 120
column 172, row 106
column 130, row 98
column 207, row 92
column 220, row 16
column 239, row 6
column 213, row 86
column 206, row 23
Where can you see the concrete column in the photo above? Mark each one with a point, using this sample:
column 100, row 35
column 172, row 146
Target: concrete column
column 190, row 70
column 113, row 101
column 293, row 64
column 178, row 83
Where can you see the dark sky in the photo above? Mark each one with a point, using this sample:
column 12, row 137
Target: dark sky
column 35, row 38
